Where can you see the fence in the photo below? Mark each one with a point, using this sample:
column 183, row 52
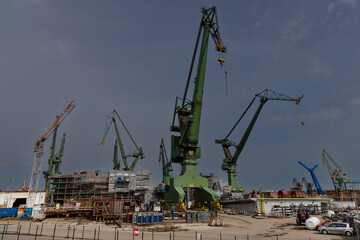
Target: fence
column 41, row 231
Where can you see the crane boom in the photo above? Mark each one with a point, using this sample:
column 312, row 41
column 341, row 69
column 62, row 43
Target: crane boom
column 230, row 162
column 56, row 124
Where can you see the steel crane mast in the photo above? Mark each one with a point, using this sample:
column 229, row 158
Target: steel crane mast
column 314, row 178
column 138, row 153
column 166, row 164
column 58, row 157
column 184, row 148
column 230, row 161
column 39, row 151
column 48, row 173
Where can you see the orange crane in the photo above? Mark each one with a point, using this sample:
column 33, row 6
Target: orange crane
column 39, row 150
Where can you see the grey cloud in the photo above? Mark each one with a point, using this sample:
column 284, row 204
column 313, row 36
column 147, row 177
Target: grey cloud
column 294, row 30
column 319, row 68
column 351, row 3
column 328, row 114
column 355, row 102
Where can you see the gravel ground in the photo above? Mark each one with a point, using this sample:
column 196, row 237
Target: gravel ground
column 236, row 227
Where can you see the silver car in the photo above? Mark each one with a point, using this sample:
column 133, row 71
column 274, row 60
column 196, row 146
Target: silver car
column 337, row 228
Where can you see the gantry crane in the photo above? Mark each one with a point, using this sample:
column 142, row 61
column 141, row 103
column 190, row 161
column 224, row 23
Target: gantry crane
column 314, row 178
column 39, row 150
column 336, row 173
column 184, row 148
column 230, row 161
column 166, row 164
column 136, row 154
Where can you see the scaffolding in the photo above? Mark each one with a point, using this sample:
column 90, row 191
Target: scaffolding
column 92, row 186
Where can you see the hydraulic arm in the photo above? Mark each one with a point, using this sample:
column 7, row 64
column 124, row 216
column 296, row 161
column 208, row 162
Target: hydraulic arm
column 230, row 161
column 184, row 148
column 136, row 154
column 314, row 178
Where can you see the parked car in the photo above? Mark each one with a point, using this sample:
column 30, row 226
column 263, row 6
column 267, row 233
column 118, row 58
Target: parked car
column 337, row 228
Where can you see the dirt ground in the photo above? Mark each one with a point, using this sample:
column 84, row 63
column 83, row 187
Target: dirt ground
column 236, row 227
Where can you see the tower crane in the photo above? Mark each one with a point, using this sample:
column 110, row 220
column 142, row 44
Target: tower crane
column 39, row 150
column 230, row 161
column 336, row 173
column 166, row 164
column 314, row 178
column 136, row 154
column 184, row 148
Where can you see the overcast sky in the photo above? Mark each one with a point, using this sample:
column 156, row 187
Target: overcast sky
column 134, row 56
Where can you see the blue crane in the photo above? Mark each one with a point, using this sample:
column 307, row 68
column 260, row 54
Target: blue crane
column 314, row 178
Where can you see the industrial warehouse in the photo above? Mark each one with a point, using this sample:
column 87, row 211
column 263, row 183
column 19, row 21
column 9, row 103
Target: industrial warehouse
column 119, row 194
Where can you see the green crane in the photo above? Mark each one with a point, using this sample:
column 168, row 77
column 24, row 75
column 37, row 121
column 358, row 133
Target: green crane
column 184, row 148
column 136, row 154
column 166, row 164
column 116, row 162
column 54, row 161
column 58, row 158
column 337, row 174
column 230, row 161
column 48, row 173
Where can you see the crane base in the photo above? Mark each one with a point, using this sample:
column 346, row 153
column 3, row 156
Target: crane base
column 189, row 178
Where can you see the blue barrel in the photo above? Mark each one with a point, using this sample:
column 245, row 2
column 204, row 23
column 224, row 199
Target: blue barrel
column 143, row 219
column 160, row 218
column 149, row 218
column 156, row 218
column 138, row 221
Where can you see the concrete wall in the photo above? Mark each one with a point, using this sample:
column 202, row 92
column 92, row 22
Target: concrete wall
column 7, row 199
column 244, row 206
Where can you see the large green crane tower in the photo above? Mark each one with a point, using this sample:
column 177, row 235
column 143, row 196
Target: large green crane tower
column 230, row 161
column 184, row 148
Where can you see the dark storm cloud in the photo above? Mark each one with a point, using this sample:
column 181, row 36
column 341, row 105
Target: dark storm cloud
column 134, row 57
